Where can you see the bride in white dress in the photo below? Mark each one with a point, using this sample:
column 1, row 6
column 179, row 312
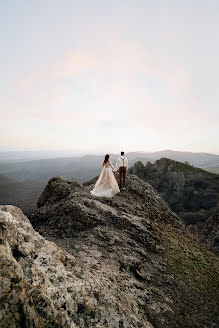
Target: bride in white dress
column 106, row 185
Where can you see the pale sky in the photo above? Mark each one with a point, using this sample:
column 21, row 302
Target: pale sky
column 105, row 75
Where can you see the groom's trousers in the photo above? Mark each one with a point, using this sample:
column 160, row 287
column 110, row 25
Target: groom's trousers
column 122, row 176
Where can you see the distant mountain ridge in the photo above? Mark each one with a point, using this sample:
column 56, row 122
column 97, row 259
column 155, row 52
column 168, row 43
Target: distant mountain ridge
column 202, row 160
column 85, row 167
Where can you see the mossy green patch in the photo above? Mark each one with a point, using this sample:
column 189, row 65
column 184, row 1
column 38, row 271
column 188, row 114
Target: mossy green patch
column 196, row 273
column 181, row 167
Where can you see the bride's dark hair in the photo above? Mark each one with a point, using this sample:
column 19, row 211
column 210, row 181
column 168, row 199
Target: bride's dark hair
column 106, row 158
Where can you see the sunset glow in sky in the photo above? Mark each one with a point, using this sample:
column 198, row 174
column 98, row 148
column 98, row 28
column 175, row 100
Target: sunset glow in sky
column 96, row 76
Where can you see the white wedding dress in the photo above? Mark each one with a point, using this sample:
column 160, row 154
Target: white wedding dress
column 106, row 184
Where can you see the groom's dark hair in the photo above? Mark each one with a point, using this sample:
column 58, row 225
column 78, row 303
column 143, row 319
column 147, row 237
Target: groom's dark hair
column 122, row 153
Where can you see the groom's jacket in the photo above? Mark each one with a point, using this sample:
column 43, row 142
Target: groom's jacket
column 122, row 161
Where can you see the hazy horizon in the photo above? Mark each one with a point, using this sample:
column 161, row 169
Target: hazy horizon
column 99, row 76
column 76, row 153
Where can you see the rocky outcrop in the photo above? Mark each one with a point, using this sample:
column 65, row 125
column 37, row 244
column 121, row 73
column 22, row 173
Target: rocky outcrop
column 61, row 199
column 44, row 286
column 121, row 262
column 191, row 193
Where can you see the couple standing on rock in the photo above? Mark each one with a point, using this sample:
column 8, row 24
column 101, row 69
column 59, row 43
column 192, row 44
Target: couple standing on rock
column 107, row 185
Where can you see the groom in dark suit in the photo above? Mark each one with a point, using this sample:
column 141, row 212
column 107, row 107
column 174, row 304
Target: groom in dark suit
column 122, row 166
